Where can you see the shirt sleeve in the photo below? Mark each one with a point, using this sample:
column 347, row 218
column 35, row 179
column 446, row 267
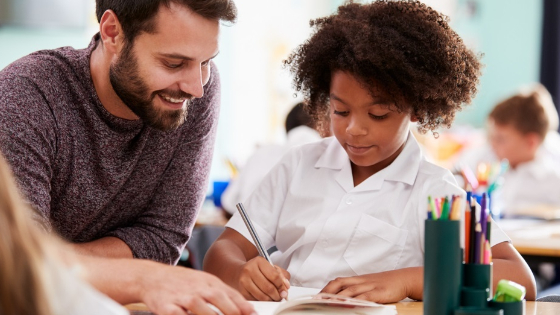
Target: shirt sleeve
column 264, row 205
column 28, row 141
column 163, row 230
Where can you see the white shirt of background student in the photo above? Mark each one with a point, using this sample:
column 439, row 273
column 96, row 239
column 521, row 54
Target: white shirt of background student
column 530, row 185
column 260, row 163
column 325, row 227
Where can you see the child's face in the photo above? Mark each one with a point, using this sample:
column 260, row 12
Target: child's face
column 369, row 128
column 510, row 144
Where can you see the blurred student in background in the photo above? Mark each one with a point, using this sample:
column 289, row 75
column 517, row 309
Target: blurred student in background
column 518, row 129
column 300, row 129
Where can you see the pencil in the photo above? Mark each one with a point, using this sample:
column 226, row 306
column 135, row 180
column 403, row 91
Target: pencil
column 477, row 244
column 488, row 227
column 472, row 232
column 258, row 244
column 467, row 232
column 253, row 232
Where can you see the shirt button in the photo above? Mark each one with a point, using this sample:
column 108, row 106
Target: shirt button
column 348, row 201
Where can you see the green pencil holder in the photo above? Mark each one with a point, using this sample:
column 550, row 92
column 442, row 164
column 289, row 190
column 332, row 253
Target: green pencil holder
column 442, row 267
column 509, row 308
column 478, row 311
column 477, row 285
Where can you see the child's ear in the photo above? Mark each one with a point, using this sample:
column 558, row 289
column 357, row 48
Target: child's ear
column 413, row 118
column 534, row 140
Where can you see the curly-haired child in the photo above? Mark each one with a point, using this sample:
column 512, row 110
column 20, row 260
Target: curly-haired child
column 347, row 213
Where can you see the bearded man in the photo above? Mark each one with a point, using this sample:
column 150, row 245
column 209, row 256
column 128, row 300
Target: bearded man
column 112, row 144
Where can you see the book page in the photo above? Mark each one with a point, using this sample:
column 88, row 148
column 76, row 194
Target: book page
column 296, row 292
column 268, row 308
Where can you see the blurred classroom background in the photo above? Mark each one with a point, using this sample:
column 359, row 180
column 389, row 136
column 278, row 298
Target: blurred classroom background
column 257, row 91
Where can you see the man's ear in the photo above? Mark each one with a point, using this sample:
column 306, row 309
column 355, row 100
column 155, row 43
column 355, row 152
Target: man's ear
column 111, row 32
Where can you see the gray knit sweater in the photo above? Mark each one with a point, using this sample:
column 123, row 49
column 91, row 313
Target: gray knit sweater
column 90, row 174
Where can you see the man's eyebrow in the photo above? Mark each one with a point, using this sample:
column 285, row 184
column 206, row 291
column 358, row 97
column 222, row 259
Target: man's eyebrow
column 183, row 57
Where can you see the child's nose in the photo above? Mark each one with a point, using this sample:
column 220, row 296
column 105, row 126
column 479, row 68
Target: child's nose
column 356, row 128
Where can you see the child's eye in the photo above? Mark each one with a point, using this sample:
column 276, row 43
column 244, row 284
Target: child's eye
column 378, row 117
column 344, row 114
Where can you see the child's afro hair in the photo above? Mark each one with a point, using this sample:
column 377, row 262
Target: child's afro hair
column 405, row 48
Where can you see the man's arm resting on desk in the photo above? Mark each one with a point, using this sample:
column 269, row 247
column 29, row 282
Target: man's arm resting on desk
column 164, row 289
column 109, row 247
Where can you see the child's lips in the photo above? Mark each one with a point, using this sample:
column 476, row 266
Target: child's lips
column 358, row 149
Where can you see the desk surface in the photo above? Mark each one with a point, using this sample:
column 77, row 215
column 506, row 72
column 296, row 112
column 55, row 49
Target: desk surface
column 416, row 308
column 533, row 237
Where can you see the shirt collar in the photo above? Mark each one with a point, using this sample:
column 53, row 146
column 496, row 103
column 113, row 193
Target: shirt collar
column 403, row 169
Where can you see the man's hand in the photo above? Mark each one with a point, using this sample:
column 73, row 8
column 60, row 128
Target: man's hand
column 170, row 290
column 384, row 287
column 260, row 281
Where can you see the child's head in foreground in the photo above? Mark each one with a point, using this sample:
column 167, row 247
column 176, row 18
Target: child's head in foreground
column 376, row 67
column 518, row 125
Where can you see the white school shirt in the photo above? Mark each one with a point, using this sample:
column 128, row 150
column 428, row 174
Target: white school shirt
column 324, row 227
column 260, row 163
column 529, row 185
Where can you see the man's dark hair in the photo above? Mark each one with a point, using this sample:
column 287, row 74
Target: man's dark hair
column 137, row 16
column 298, row 116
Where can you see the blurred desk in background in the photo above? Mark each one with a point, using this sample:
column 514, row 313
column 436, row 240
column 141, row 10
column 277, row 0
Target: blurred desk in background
column 536, row 240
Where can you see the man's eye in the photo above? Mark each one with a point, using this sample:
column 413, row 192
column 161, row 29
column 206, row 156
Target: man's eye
column 173, row 65
column 204, row 64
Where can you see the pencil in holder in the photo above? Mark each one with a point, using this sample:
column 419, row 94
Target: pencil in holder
column 442, row 267
column 477, row 285
column 509, row 308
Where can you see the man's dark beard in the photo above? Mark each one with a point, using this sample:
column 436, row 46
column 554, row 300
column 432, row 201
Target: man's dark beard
column 134, row 93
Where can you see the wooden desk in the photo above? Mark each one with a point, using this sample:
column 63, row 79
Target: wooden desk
column 535, row 240
column 532, row 308
column 416, row 308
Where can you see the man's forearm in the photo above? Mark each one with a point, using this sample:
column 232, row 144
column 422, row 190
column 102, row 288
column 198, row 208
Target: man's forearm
column 110, row 247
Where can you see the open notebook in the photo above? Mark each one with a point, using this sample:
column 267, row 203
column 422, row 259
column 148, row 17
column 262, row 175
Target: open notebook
column 306, row 301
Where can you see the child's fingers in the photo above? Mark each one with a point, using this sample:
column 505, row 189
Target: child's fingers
column 285, row 282
column 285, row 273
column 338, row 284
column 276, row 277
column 256, row 283
column 253, row 290
column 277, row 289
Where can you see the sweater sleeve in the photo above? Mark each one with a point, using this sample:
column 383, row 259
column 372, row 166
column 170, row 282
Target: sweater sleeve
column 163, row 230
column 28, row 141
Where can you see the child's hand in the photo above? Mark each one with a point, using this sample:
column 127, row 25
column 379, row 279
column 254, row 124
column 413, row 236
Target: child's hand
column 259, row 280
column 384, row 287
